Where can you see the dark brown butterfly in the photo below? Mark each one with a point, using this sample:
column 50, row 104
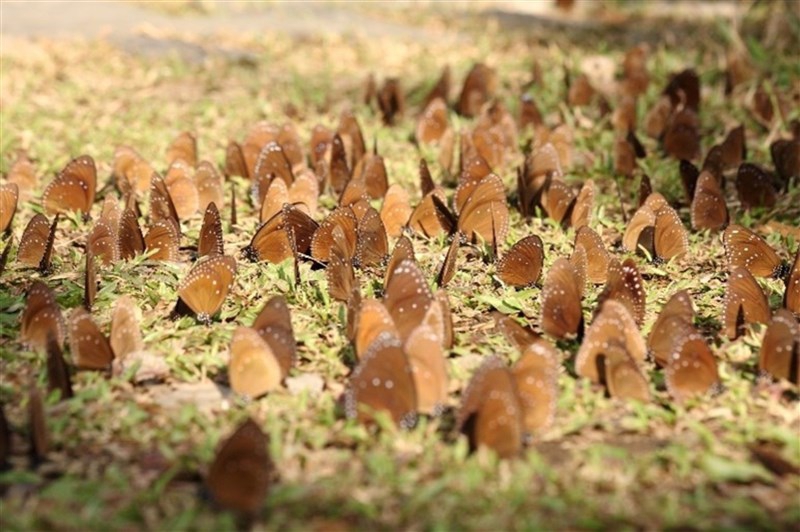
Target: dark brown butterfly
column 780, row 348
column 183, row 147
column 161, row 205
column 491, row 412
column 597, row 257
column 754, row 187
column 734, row 148
column 162, row 239
column 130, row 239
column 104, row 240
column 689, row 175
column 529, row 114
column 36, row 245
column 562, row 314
column 522, row 265
column 485, row 212
column 241, row 473
column 745, row 302
column 681, row 138
column 655, row 121
column 235, row 164
column 396, row 210
column 350, row 129
column 73, row 189
column 89, row 282
column 708, row 210
column 339, row 271
column 625, row 284
column 339, row 174
column 207, row 285
column 479, row 87
column 407, row 297
column 612, row 351
column 785, row 155
column 89, row 347
column 271, row 164
column 41, row 315
column 791, row 296
column 4, row 255
column 253, row 368
column 745, row 248
column 37, row 430
column 322, row 241
column 448, row 267
column 517, row 335
column 762, row 108
column 383, row 383
column 692, row 369
column 9, row 195
column 403, row 250
column 441, row 89
column 433, row 122
column 391, row 101
column 372, row 247
column 674, row 322
column 563, row 206
column 431, row 217
column 657, row 228
column 209, row 242
column 272, row 240
column 5, row 440
column 274, row 324
column 57, row 371
column 684, row 87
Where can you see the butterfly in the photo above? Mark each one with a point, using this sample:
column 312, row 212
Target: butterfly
column 161, row 204
column 184, row 148
column 785, row 154
column 370, row 171
column 73, row 188
column 130, row 238
column 89, row 347
column 479, row 87
column 779, row 356
column 754, row 187
column 745, row 302
column 104, row 241
column 391, row 101
column 517, row 335
column 395, row 210
column 612, row 351
column 352, row 137
column 209, row 242
column 9, row 195
column 674, row 322
column 635, row 75
column 791, row 296
column 58, row 377
column 383, row 383
column 407, row 297
column 253, row 369
column 563, row 206
column 562, row 314
column 371, row 319
column 433, row 122
column 439, row 90
column 162, row 239
column 182, row 189
column 403, row 249
column 131, row 171
column 372, row 245
column 36, row 245
column 692, row 368
column 277, row 239
column 37, row 431
column 428, row 365
column 271, row 164
column 235, row 164
column 529, row 114
column 536, row 378
column 4, row 255
column 625, row 284
column 522, row 265
column 41, row 315
column 684, row 87
column 209, row 185
column 274, row 324
column 597, row 257
column 681, row 138
column 708, row 209
column 206, row 286
column 23, row 174
column 339, row 271
column 126, row 335
column 89, row 282
column 491, row 412
column 448, row 267
column 240, row 475
column 484, row 213
column 322, row 241
column 745, row 248
column 761, row 107
column 657, row 228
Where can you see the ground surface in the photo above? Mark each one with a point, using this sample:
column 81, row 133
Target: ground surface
column 128, row 456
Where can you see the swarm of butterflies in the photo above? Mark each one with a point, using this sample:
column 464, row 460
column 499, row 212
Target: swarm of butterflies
column 402, row 338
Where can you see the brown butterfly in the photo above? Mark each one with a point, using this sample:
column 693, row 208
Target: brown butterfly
column 563, row 206
column 517, row 335
column 235, row 164
column 491, row 412
column 130, row 170
column 126, row 335
column 9, row 195
column 780, row 349
column 37, row 430
column 89, row 282
column 182, row 188
column 58, row 378
column 441, row 89
column 536, row 378
column 372, row 246
column 36, row 245
column 785, row 155
column 791, row 296
column 745, row 248
column 73, row 188
column 395, row 211
column 209, row 185
column 130, row 239
column 484, row 214
column 89, row 347
column 597, row 257
column 479, row 87
column 428, row 367
column 745, row 302
column 708, row 210
column 350, row 132
column 692, row 368
column 274, row 324
column 322, row 241
column 240, row 475
column 761, row 106
column 657, row 229
column 41, row 315
column 183, row 147
column 684, row 88
column 522, row 265
column 634, row 67
column 371, row 320
column 4, row 255
column 339, row 271
column 277, row 239
column 209, row 242
column 104, row 241
column 403, row 249
column 529, row 114
column 681, row 138
column 162, row 239
column 655, row 121
column 562, row 314
column 391, row 101
column 754, row 187
column 253, row 369
column 448, row 267
column 612, row 352
column 23, row 174
column 371, row 171
column 272, row 163
column 383, row 383
column 433, row 122
column 407, row 297
column 161, row 204
column 625, row 284
column 431, row 217
column 672, row 324
column 207, row 285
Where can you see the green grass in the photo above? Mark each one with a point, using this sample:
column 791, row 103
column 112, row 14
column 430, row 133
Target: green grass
column 132, row 456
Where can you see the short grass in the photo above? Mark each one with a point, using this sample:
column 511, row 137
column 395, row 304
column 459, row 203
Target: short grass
column 127, row 456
